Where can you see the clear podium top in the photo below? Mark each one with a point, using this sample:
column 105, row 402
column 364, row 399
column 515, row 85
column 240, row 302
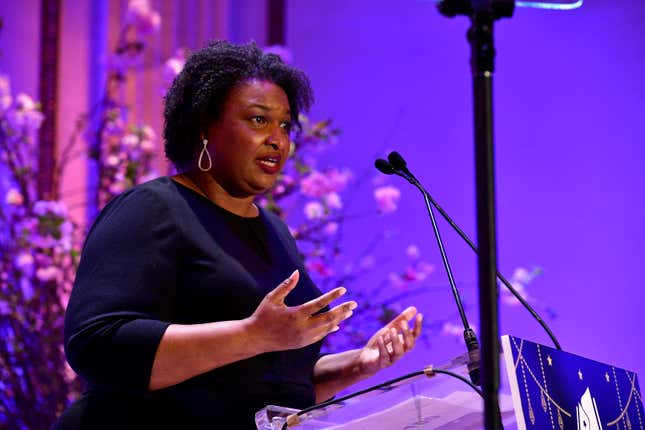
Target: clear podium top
column 422, row 402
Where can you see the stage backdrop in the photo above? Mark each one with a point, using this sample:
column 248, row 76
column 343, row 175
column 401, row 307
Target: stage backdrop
column 570, row 150
column 570, row 138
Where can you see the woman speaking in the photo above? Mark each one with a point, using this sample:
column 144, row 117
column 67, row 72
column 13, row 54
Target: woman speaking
column 191, row 307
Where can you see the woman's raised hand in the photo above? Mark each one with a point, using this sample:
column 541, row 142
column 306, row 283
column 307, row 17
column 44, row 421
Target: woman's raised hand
column 280, row 327
column 391, row 342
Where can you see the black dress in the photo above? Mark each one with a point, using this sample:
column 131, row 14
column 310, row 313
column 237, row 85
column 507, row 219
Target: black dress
column 159, row 254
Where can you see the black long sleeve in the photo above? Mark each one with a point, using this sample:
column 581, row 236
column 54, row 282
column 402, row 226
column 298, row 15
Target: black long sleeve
column 122, row 298
column 161, row 254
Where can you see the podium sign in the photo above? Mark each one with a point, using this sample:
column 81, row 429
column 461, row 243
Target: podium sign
column 557, row 390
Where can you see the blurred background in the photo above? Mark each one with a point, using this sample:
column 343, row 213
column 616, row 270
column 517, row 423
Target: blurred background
column 569, row 104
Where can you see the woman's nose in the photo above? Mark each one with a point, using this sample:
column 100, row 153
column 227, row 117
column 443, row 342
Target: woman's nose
column 278, row 140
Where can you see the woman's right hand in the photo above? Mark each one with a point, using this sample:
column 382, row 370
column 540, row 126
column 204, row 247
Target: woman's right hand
column 279, row 327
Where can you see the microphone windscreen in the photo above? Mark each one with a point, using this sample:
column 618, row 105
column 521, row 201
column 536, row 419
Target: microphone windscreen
column 397, row 161
column 383, row 166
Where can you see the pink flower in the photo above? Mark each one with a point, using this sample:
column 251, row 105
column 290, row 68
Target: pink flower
column 66, row 229
column 509, row 299
column 5, row 85
column 46, row 274
column 315, row 184
column 5, row 102
column 331, row 228
column 130, row 141
column 143, row 17
column 117, row 187
column 147, row 133
column 396, row 280
column 26, row 114
column 314, row 210
column 333, row 201
column 43, row 207
column 413, row 252
column 5, row 93
column 112, row 160
column 386, row 198
column 425, row 268
column 25, row 262
column 338, row 179
column 25, row 103
column 522, row 275
column 14, row 198
column 148, row 147
column 287, row 180
column 171, row 68
column 452, row 329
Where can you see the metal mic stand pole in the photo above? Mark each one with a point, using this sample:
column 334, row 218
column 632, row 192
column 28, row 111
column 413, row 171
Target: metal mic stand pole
column 483, row 14
column 480, row 36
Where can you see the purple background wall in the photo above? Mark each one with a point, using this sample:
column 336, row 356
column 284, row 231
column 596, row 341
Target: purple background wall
column 570, row 137
column 570, row 150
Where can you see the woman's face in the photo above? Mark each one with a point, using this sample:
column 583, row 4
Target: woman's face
column 249, row 143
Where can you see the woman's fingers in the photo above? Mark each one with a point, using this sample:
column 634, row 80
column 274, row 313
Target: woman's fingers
column 382, row 350
column 334, row 316
column 417, row 325
column 397, row 342
column 408, row 336
column 319, row 303
column 406, row 315
column 278, row 294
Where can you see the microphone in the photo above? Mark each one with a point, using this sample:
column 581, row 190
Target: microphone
column 384, row 167
column 398, row 160
column 398, row 163
column 398, row 166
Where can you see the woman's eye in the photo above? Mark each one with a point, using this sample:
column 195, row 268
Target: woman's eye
column 286, row 126
column 258, row 119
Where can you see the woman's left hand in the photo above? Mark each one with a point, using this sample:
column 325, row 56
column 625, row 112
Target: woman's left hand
column 391, row 342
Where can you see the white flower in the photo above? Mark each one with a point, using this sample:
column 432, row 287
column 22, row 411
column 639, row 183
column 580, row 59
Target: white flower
column 5, row 85
column 331, row 228
column 171, row 68
column 46, row 274
column 522, row 275
column 386, row 198
column 148, row 146
column 314, row 210
column 112, row 160
column 333, row 201
column 25, row 262
column 413, row 251
column 130, row 141
column 25, row 103
column 14, row 198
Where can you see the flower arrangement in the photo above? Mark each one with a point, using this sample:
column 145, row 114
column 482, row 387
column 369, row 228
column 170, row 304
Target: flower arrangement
column 39, row 243
column 38, row 256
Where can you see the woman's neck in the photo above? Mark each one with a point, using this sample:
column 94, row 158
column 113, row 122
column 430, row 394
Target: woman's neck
column 204, row 184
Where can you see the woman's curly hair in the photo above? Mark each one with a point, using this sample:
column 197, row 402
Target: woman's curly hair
column 198, row 93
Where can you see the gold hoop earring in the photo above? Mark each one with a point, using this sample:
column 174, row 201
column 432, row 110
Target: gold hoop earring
column 201, row 157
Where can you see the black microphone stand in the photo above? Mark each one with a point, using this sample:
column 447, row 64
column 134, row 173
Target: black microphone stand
column 483, row 14
column 470, row 338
